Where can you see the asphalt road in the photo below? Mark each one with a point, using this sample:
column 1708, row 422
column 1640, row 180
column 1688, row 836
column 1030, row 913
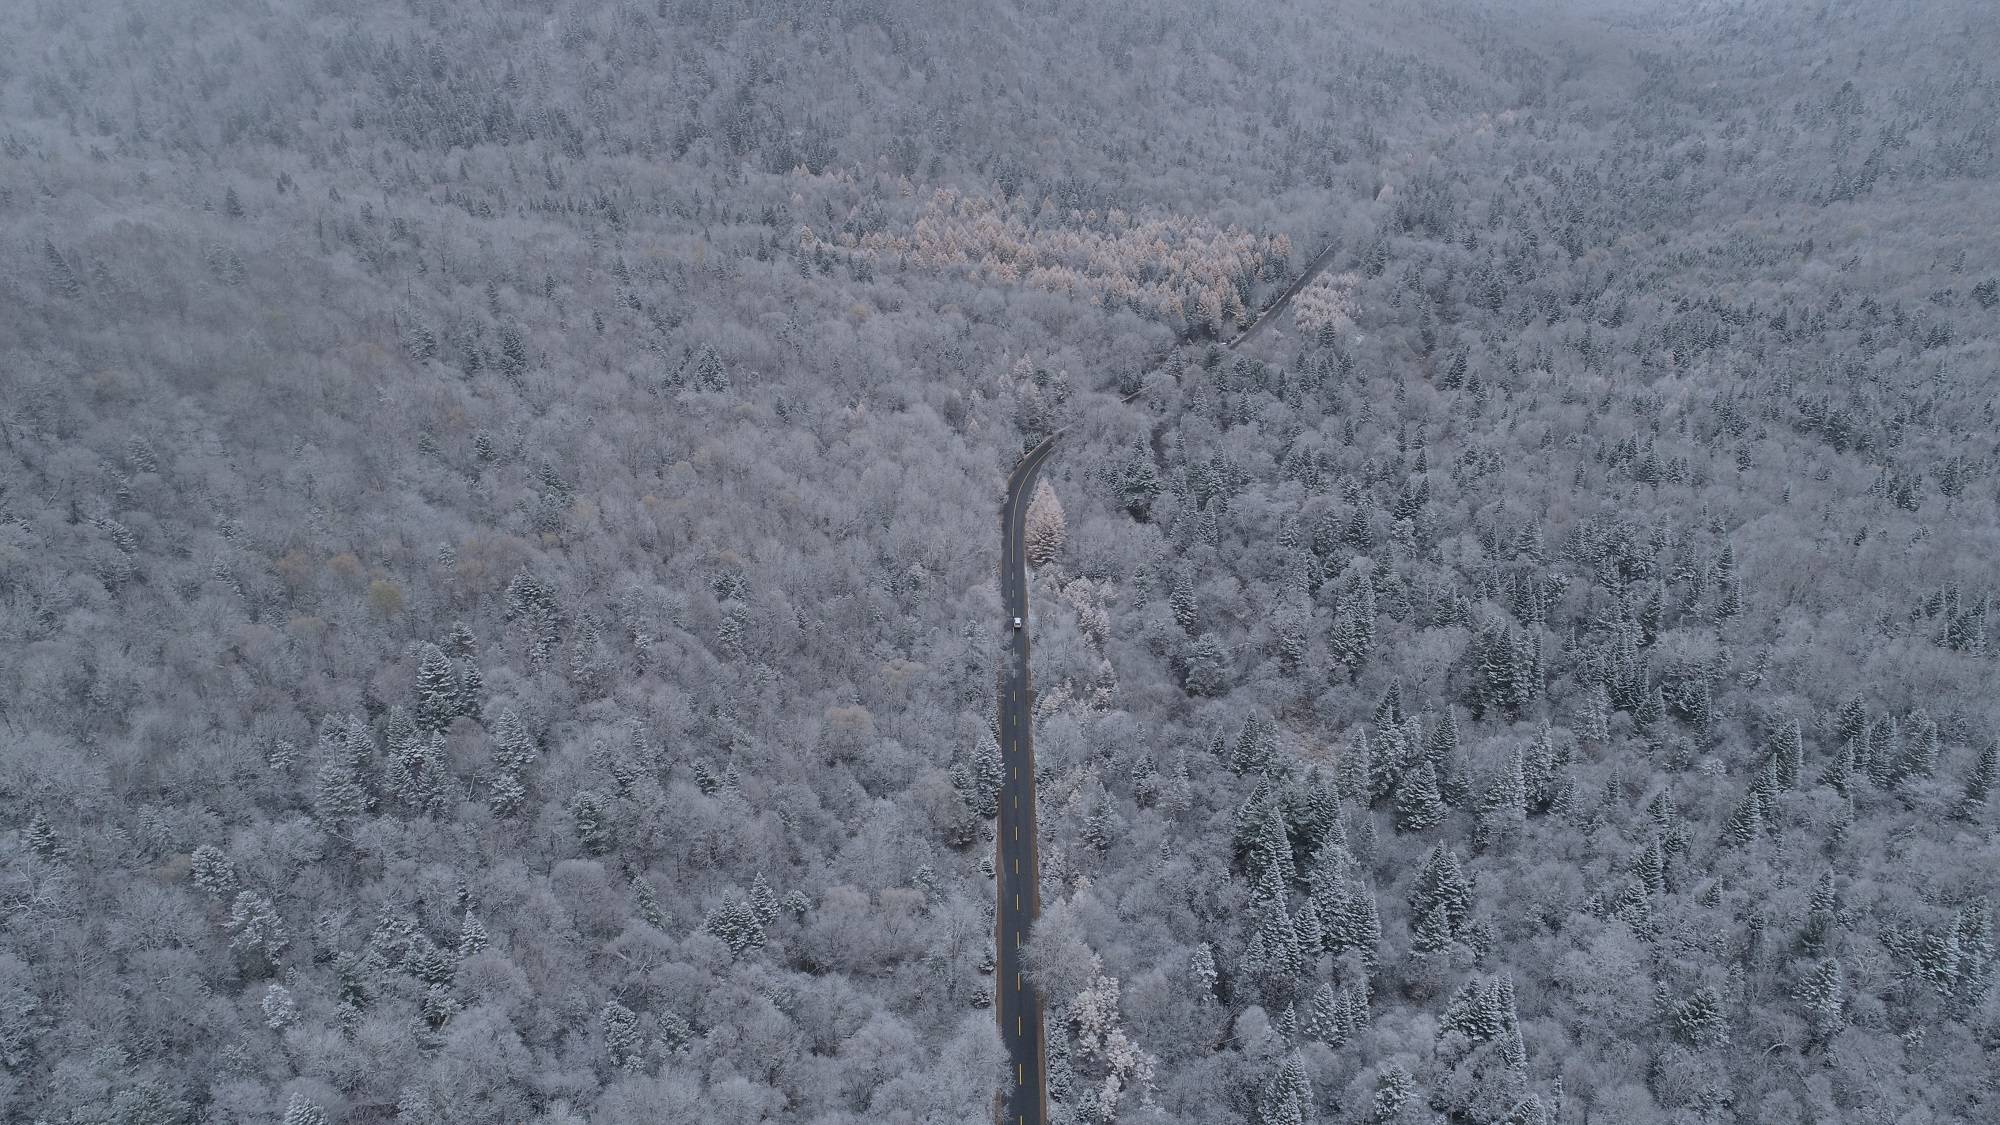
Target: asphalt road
column 1018, row 871
column 1017, row 1004
column 1312, row 270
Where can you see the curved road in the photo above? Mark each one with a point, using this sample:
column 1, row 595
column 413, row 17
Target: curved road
column 1018, row 868
column 1282, row 301
column 1017, row 1004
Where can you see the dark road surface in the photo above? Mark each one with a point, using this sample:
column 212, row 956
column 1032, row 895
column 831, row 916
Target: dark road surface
column 1016, row 1002
column 1271, row 310
column 1278, row 304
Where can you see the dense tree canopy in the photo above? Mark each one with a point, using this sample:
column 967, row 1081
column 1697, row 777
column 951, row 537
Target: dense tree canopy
column 497, row 539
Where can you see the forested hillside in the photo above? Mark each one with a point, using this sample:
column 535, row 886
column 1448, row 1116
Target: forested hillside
column 497, row 541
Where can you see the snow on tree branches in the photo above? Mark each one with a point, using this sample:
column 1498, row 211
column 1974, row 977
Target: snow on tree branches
column 1178, row 269
column 1045, row 530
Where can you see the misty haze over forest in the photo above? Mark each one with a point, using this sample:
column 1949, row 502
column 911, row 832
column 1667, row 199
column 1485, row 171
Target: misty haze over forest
column 498, row 609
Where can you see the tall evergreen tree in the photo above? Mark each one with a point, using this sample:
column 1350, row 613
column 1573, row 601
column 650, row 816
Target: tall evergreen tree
column 1045, row 528
column 1542, row 775
column 513, row 750
column 1272, row 957
column 1699, row 1020
column 1851, row 724
column 1787, row 750
column 1249, row 836
column 1206, row 670
column 1351, row 637
column 1482, row 1012
column 1817, row 935
column 340, row 798
column 1389, row 710
column 1312, row 810
column 1920, row 750
column 1505, row 674
column 1824, row 994
column 1975, row 958
column 1441, row 747
column 649, row 902
column 1728, row 586
column 1323, row 1016
column 429, row 785
column 1311, row 933
column 1885, row 752
column 1747, row 822
column 531, row 604
column 1503, row 802
column 472, row 938
column 1419, row 807
column 1652, row 706
column 1202, row 970
column 1980, row 781
column 57, row 273
column 1271, row 849
column 591, row 818
column 459, row 643
column 736, row 924
column 1138, row 481
column 1256, row 747
column 979, row 775
column 1441, row 894
column 1356, row 768
column 1181, row 599
column 1838, row 773
column 1286, row 1098
column 1355, row 925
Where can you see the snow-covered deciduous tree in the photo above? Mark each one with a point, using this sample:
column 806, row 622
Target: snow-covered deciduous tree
column 212, row 871
column 1105, row 1053
column 259, row 933
column 655, row 370
column 301, row 1110
column 624, row 1043
column 279, row 1008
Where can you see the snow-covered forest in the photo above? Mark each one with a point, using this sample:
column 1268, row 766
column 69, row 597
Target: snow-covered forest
column 498, row 612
